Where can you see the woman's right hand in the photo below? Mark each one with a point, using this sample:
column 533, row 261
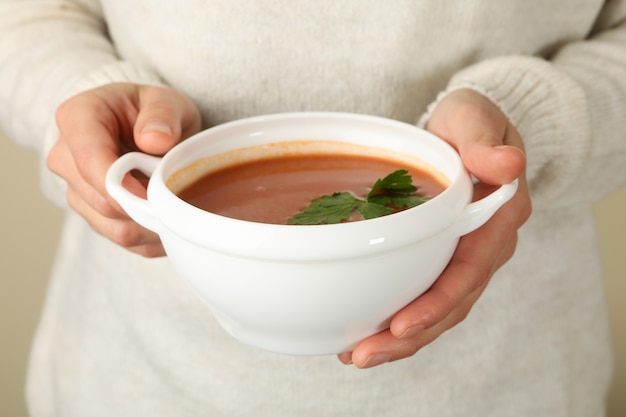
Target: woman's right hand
column 99, row 125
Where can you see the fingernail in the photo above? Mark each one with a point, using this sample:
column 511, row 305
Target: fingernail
column 157, row 126
column 376, row 359
column 509, row 147
column 411, row 331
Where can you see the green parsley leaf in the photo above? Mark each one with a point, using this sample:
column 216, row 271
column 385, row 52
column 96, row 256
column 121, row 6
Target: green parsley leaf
column 328, row 209
column 407, row 201
column 388, row 195
column 398, row 182
column 373, row 210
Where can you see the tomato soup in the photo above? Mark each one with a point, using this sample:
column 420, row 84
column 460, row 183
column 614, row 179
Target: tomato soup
column 273, row 190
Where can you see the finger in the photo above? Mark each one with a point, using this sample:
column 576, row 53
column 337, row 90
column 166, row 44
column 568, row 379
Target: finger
column 61, row 163
column 122, row 231
column 492, row 163
column 345, row 358
column 154, row 250
column 475, row 260
column 92, row 142
column 477, row 256
column 490, row 147
column 165, row 117
column 385, row 347
column 485, row 152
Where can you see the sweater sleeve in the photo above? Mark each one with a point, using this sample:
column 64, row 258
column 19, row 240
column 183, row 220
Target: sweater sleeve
column 49, row 51
column 570, row 110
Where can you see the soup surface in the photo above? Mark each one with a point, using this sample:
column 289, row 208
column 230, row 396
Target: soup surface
column 275, row 189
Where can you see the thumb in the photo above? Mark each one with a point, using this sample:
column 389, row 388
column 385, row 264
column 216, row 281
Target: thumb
column 490, row 147
column 165, row 118
column 499, row 164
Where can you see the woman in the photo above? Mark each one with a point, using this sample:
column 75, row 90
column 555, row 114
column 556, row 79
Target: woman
column 529, row 89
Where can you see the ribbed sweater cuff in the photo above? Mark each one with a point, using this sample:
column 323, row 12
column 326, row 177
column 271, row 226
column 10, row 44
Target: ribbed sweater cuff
column 548, row 109
column 54, row 187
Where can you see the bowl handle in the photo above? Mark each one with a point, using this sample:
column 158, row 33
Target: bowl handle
column 137, row 208
column 477, row 213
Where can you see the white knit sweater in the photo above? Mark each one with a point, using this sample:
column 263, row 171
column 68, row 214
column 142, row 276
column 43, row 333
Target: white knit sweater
column 122, row 336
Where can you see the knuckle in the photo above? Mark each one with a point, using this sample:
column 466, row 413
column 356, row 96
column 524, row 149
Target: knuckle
column 470, row 110
column 125, row 233
column 63, row 112
column 82, row 160
column 429, row 316
column 101, row 205
column 66, row 111
column 414, row 348
column 519, row 212
column 53, row 160
column 73, row 201
column 149, row 251
column 460, row 314
column 463, row 314
column 526, row 211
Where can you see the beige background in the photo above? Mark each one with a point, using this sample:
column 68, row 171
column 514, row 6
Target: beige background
column 29, row 227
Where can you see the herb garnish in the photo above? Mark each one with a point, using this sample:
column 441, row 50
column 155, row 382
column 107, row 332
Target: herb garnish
column 388, row 195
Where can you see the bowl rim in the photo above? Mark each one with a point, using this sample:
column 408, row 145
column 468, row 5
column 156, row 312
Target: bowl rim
column 276, row 242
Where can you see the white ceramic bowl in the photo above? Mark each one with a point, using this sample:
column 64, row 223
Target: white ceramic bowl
column 307, row 290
